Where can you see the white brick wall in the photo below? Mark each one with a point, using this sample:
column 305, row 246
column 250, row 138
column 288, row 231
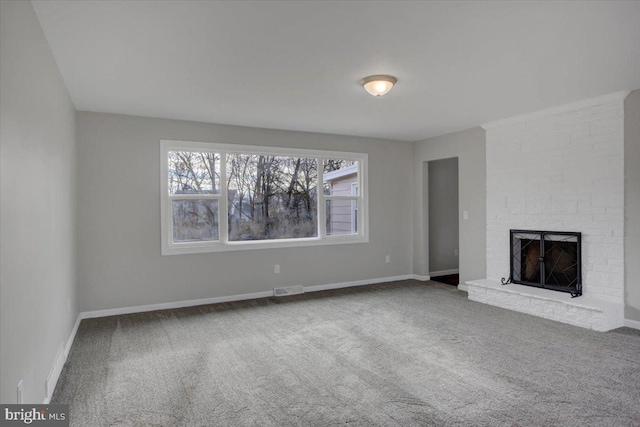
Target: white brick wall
column 561, row 170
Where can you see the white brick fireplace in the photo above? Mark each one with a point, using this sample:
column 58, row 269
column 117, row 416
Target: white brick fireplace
column 560, row 169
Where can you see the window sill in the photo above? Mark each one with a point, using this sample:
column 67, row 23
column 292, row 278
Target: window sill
column 196, row 248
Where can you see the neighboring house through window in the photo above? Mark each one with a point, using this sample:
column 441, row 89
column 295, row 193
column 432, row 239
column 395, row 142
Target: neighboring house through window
column 342, row 214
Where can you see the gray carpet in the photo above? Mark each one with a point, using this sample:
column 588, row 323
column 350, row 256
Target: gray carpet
column 397, row 354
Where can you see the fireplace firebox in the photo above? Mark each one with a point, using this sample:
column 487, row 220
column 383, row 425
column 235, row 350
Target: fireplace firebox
column 546, row 259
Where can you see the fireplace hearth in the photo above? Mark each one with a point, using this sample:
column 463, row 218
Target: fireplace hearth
column 546, row 259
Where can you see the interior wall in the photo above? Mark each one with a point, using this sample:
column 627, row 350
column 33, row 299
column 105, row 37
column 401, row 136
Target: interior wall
column 469, row 147
column 632, row 205
column 443, row 215
column 119, row 217
column 37, row 176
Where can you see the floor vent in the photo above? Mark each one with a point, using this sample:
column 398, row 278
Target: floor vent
column 290, row 290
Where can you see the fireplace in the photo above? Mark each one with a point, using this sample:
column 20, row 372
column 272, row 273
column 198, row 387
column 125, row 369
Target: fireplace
column 546, row 259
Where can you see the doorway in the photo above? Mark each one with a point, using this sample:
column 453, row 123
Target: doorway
column 443, row 221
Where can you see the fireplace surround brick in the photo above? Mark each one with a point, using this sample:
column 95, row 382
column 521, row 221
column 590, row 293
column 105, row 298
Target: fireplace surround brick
column 560, row 169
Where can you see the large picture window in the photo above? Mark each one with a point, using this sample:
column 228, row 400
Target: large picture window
column 220, row 197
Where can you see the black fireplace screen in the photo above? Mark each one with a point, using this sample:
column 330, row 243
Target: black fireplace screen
column 546, row 259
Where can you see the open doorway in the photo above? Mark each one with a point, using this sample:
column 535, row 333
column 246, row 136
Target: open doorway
column 443, row 221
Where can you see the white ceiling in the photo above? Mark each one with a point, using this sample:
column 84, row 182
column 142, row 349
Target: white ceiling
column 296, row 65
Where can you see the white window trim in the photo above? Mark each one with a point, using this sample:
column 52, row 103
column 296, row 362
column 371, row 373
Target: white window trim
column 354, row 206
column 168, row 247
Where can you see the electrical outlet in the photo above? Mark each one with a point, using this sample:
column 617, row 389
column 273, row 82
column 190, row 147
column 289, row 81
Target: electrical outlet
column 19, row 393
column 455, row 252
column 276, row 269
column 387, row 259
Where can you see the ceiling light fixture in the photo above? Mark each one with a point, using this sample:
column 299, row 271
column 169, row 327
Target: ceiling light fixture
column 379, row 84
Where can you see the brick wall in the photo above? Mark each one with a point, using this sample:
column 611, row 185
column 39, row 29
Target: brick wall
column 561, row 170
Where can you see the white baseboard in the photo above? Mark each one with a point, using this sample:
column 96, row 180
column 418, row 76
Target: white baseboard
column 632, row 323
column 65, row 355
column 357, row 283
column 170, row 305
column 444, row 272
column 72, row 337
column 241, row 297
column 463, row 287
column 421, row 278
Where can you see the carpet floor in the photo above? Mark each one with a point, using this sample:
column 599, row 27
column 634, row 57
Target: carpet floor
column 396, row 354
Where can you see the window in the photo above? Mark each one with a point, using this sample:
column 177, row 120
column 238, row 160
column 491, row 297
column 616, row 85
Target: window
column 219, row 197
column 340, row 189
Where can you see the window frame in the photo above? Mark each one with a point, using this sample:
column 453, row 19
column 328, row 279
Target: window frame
column 354, row 207
column 169, row 247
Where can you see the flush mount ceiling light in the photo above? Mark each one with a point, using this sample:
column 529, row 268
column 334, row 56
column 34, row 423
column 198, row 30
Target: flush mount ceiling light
column 379, row 84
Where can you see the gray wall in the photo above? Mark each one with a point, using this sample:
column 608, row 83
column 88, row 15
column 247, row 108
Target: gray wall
column 443, row 214
column 37, row 255
column 119, row 217
column 470, row 149
column 632, row 205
